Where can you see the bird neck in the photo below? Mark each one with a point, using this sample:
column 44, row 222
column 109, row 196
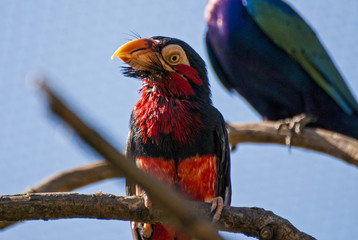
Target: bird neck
column 168, row 109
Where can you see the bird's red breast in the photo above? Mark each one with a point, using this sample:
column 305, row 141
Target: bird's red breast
column 194, row 176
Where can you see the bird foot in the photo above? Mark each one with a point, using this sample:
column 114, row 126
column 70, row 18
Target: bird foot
column 295, row 125
column 217, row 205
column 147, row 202
column 147, row 230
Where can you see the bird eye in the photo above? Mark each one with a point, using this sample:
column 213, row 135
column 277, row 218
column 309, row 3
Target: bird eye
column 174, row 58
column 174, row 54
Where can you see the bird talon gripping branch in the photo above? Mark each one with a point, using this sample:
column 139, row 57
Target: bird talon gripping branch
column 294, row 125
column 217, row 206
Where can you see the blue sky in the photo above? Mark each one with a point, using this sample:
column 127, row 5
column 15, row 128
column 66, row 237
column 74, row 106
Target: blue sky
column 71, row 43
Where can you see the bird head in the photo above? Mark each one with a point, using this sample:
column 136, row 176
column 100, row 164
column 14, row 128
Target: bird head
column 168, row 65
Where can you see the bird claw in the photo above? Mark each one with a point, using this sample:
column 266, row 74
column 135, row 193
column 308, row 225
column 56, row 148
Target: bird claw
column 295, row 125
column 217, row 205
column 147, row 202
column 147, row 230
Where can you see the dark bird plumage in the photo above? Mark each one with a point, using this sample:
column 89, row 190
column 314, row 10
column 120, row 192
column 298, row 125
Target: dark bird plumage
column 267, row 53
column 175, row 132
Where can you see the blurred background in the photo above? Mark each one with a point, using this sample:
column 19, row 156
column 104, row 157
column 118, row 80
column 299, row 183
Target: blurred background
column 71, row 42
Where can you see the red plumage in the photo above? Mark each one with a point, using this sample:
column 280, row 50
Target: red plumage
column 155, row 113
column 176, row 134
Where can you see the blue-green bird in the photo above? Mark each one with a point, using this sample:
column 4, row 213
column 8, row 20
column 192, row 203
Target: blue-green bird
column 267, row 53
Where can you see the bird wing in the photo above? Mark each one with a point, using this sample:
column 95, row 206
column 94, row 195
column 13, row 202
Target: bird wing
column 130, row 186
column 291, row 33
column 222, row 150
column 130, row 154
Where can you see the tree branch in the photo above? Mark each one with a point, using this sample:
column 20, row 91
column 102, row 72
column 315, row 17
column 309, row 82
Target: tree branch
column 174, row 204
column 255, row 222
column 324, row 141
column 316, row 139
column 71, row 180
column 77, row 178
column 159, row 193
column 321, row 140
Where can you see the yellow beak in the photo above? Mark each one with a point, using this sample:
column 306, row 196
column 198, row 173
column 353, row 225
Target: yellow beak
column 135, row 48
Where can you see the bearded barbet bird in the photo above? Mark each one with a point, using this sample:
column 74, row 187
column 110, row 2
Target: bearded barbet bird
column 267, row 53
column 175, row 133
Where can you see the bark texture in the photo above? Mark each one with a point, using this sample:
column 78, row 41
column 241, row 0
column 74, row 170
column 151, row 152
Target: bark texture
column 255, row 222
